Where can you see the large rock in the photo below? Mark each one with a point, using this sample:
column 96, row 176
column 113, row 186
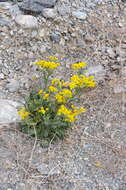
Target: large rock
column 26, row 21
column 36, row 6
column 12, row 86
column 8, row 111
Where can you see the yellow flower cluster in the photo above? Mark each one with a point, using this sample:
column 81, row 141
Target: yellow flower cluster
column 78, row 66
column 40, row 92
column 60, row 98
column 66, row 93
column 70, row 114
column 80, row 81
column 88, row 81
column 47, row 64
column 42, row 110
column 54, row 58
column 52, row 89
column 45, row 95
column 56, row 92
column 23, row 113
column 56, row 82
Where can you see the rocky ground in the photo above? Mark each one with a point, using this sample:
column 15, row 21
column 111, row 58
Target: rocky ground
column 93, row 157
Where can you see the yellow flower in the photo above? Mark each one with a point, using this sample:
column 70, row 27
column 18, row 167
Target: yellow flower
column 78, row 66
column 47, row 64
column 88, row 81
column 40, row 92
column 23, row 113
column 42, row 110
column 46, row 96
column 91, row 84
column 56, row 82
column 73, row 106
column 54, row 58
column 72, row 85
column 70, row 117
column 80, row 81
column 66, row 93
column 65, row 84
column 77, row 81
column 98, row 164
column 52, row 89
column 34, row 78
column 60, row 98
column 63, row 110
column 83, row 81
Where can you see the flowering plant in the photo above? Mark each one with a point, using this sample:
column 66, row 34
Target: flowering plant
column 50, row 111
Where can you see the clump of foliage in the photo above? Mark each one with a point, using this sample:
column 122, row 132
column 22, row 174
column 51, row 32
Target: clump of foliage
column 50, row 111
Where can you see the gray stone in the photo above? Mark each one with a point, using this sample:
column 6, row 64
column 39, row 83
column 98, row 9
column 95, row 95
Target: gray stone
column 63, row 10
column 8, row 111
column 5, row 5
column 119, row 88
column 13, row 85
column 42, row 32
column 34, row 34
column 89, row 39
column 4, row 22
column 120, row 52
column 5, row 71
column 45, row 169
column 26, row 21
column 111, row 52
column 6, row 186
column 49, row 13
column 55, row 37
column 79, row 15
column 1, row 76
column 42, row 49
column 14, row 10
column 37, row 6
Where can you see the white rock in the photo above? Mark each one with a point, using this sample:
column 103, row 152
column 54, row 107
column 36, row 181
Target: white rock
column 79, row 14
column 26, row 21
column 97, row 71
column 111, row 52
column 1, row 76
column 8, row 111
column 42, row 32
column 49, row 13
